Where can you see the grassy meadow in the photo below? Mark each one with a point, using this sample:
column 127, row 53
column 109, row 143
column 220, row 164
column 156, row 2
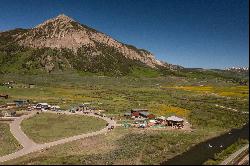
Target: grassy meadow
column 47, row 127
column 192, row 98
column 121, row 146
column 8, row 143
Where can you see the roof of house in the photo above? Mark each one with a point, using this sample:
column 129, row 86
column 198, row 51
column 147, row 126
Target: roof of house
column 43, row 103
column 161, row 117
column 174, row 118
column 139, row 110
column 135, row 113
column 21, row 100
column 144, row 113
column 127, row 113
column 55, row 106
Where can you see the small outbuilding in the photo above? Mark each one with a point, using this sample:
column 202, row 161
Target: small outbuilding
column 127, row 114
column 146, row 115
column 31, row 85
column 4, row 96
column 20, row 103
column 175, row 121
column 136, row 112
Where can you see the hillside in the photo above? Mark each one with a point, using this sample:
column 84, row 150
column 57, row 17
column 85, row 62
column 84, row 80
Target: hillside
column 61, row 43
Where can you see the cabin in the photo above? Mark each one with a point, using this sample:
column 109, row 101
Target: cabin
column 10, row 104
column 20, row 103
column 31, row 85
column 146, row 115
column 160, row 120
column 127, row 114
column 4, row 96
column 136, row 112
column 139, row 110
column 175, row 121
column 139, row 113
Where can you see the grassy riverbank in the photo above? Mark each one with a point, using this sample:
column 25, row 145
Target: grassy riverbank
column 219, row 157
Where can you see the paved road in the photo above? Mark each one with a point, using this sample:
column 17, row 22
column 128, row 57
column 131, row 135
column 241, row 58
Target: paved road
column 244, row 160
column 30, row 146
column 234, row 155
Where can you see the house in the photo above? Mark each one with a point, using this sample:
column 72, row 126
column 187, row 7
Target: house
column 31, row 85
column 175, row 121
column 146, row 115
column 127, row 114
column 10, row 105
column 139, row 110
column 4, row 96
column 20, row 103
column 161, row 120
column 136, row 112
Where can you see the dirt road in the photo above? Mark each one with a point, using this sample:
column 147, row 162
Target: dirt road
column 234, row 155
column 30, row 146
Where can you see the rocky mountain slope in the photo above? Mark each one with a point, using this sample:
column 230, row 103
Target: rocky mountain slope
column 63, row 32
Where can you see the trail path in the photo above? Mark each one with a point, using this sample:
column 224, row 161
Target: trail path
column 30, row 146
column 228, row 160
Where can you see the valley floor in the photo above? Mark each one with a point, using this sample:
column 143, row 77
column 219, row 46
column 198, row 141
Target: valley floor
column 192, row 99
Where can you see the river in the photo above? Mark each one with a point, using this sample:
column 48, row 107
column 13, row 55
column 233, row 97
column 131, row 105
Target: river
column 201, row 152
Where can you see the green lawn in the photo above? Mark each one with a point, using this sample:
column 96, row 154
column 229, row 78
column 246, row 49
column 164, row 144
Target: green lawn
column 8, row 144
column 47, row 127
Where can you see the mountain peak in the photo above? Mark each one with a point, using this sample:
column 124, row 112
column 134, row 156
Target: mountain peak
column 62, row 18
column 63, row 32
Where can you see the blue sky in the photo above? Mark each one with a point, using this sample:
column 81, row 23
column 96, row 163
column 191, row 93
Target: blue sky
column 191, row 33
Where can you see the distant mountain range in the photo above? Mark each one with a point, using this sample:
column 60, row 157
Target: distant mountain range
column 238, row 69
column 61, row 43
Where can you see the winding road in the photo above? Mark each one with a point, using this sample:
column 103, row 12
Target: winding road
column 30, row 146
column 229, row 160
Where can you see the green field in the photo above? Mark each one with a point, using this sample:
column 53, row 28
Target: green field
column 121, row 146
column 8, row 143
column 47, row 127
column 117, row 95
